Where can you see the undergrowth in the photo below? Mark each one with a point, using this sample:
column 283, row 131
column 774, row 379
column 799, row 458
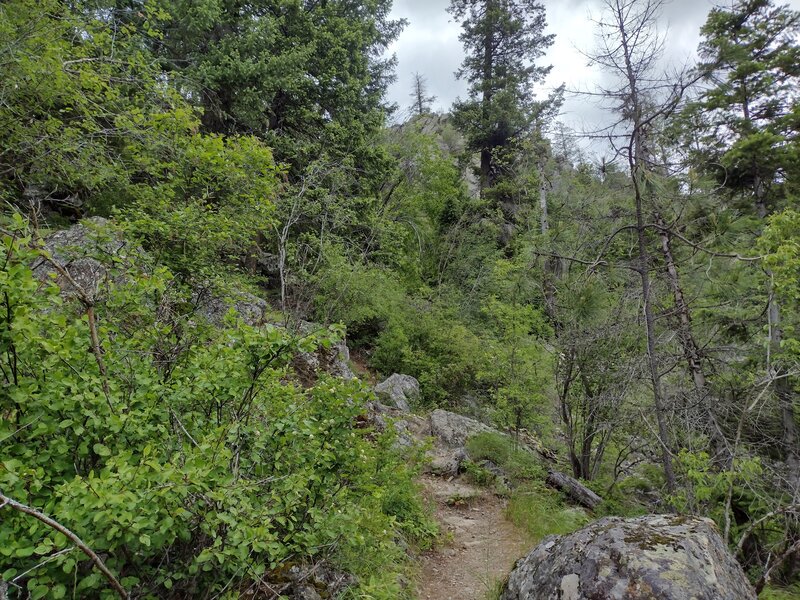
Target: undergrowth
column 532, row 506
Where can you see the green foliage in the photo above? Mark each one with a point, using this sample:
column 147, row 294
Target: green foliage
column 307, row 78
column 206, row 213
column 534, row 507
column 74, row 96
column 750, row 56
column 706, row 486
column 541, row 512
column 199, row 466
column 517, row 463
column 773, row 592
column 780, row 244
column 516, row 367
column 477, row 474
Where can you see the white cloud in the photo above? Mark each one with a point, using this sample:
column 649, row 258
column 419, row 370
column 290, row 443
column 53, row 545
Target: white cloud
column 429, row 45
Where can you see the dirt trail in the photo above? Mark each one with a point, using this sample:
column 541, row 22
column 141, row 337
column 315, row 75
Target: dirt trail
column 482, row 546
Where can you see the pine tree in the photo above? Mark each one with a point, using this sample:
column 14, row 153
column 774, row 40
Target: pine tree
column 748, row 122
column 502, row 40
column 749, row 118
column 419, row 94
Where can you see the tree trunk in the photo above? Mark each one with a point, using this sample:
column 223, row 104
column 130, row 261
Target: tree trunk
column 543, row 200
column 488, row 70
column 574, row 489
column 649, row 321
column 691, row 351
column 636, row 163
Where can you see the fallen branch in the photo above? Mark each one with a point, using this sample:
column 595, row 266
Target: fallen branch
column 6, row 501
column 574, row 489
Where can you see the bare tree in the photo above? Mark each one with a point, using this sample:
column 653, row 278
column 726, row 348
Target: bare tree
column 630, row 47
column 419, row 94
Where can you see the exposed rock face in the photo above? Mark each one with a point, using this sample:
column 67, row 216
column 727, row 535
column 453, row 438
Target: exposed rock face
column 398, row 390
column 411, row 429
column 313, row 582
column 78, row 251
column 251, row 309
column 453, row 430
column 656, row 557
column 445, row 462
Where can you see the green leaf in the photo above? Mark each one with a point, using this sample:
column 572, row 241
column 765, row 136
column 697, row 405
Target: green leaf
column 101, row 450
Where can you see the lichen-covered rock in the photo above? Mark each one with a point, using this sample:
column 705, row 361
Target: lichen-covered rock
column 411, row 429
column 656, row 557
column 454, row 430
column 83, row 251
column 251, row 309
column 334, row 360
column 398, row 390
column 313, row 582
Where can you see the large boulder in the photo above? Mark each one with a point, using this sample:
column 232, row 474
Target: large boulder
column 656, row 557
column 399, row 391
column 452, row 430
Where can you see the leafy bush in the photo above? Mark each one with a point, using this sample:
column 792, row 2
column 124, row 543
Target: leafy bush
column 540, row 511
column 519, row 464
column 181, row 453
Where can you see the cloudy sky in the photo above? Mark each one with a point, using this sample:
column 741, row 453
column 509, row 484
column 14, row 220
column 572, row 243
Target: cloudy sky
column 429, row 45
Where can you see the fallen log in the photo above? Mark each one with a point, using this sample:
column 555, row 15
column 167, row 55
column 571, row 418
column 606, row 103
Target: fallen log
column 574, row 489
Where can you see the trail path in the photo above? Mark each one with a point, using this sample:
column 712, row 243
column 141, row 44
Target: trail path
column 482, row 546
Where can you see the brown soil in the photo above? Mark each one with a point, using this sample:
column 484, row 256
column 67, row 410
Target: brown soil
column 480, row 545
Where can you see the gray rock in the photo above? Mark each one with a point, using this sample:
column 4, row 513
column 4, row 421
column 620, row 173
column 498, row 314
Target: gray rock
column 251, row 309
column 454, row 430
column 83, row 251
column 334, row 360
column 306, row 592
column 411, row 429
column 656, row 557
column 398, row 390
column 446, row 463
column 312, row 582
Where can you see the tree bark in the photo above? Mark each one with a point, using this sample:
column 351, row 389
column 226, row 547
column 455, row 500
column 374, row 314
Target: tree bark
column 691, row 350
column 637, row 156
column 487, row 167
column 574, row 489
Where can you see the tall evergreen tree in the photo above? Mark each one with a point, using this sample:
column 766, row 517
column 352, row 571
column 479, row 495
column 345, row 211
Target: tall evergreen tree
column 749, row 118
column 747, row 128
column 502, row 40
column 303, row 75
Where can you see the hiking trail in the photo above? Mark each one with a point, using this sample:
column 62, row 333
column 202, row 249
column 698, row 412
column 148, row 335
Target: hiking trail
column 480, row 545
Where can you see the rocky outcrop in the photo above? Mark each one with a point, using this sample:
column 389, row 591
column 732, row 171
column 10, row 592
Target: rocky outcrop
column 251, row 309
column 78, row 257
column 334, row 360
column 398, row 391
column 452, row 430
column 657, row 557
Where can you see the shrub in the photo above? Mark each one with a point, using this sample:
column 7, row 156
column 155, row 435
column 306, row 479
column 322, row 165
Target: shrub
column 519, row 464
column 180, row 452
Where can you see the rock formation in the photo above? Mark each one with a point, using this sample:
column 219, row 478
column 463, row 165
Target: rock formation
column 655, row 557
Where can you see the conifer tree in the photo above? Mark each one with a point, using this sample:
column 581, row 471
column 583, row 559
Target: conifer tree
column 502, row 40
column 419, row 94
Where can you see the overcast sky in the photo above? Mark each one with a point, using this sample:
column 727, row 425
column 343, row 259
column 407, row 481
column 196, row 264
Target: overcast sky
column 429, row 45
